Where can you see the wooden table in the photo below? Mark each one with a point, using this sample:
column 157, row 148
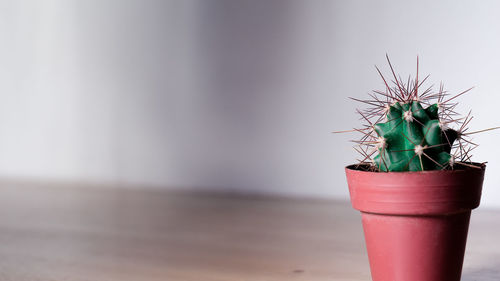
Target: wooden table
column 62, row 232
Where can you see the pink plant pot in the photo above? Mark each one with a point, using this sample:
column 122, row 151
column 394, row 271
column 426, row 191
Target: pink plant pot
column 415, row 223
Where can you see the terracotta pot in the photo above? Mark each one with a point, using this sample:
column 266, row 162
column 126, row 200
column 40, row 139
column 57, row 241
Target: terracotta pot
column 415, row 223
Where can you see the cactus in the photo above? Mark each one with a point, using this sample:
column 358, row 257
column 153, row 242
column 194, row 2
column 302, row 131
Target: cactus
column 408, row 129
column 413, row 139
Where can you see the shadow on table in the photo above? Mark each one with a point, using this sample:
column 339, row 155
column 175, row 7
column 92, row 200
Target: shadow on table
column 489, row 273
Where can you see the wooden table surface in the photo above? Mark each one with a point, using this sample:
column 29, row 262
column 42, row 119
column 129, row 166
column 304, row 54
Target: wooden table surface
column 57, row 232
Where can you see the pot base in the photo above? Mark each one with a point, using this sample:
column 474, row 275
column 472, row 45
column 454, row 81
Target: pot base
column 416, row 248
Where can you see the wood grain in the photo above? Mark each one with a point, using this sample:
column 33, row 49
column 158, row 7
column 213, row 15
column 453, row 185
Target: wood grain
column 63, row 232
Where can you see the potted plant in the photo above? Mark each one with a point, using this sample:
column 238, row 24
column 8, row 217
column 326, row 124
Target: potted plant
column 416, row 184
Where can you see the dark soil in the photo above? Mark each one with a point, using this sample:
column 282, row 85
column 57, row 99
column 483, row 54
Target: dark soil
column 457, row 166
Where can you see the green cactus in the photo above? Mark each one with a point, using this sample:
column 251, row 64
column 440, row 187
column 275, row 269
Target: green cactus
column 413, row 139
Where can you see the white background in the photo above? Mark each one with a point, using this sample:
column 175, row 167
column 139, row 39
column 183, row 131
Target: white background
column 238, row 96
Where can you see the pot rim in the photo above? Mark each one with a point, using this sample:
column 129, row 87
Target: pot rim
column 481, row 166
column 415, row 193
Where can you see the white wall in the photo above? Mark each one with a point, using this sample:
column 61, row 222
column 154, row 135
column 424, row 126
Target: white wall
column 227, row 95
